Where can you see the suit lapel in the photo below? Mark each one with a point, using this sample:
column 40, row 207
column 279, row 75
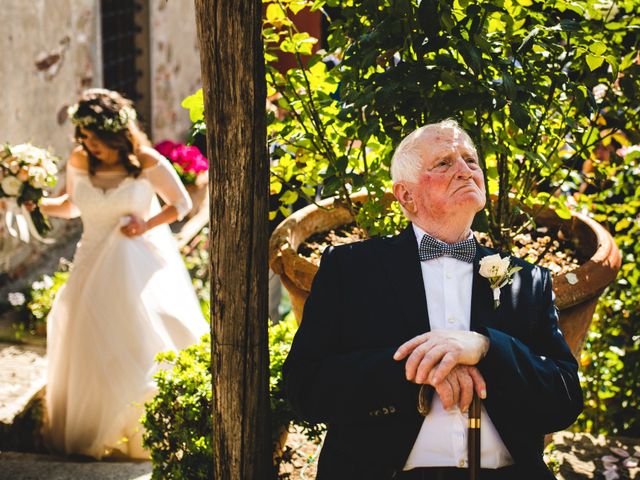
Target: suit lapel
column 482, row 310
column 403, row 265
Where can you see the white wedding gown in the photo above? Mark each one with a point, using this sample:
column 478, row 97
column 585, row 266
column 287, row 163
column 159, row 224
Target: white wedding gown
column 126, row 300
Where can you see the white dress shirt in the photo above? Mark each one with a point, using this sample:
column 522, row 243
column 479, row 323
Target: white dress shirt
column 442, row 441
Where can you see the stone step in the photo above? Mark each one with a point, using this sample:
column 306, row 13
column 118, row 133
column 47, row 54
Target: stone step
column 22, row 380
column 30, row 466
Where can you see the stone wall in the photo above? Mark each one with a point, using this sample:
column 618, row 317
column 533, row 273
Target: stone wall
column 49, row 55
column 175, row 66
column 51, row 51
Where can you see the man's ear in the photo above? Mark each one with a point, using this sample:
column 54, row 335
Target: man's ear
column 404, row 196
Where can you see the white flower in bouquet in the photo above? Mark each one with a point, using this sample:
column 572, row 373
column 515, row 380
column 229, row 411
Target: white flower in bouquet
column 25, row 171
column 11, row 186
column 50, row 166
column 28, row 153
column 39, row 177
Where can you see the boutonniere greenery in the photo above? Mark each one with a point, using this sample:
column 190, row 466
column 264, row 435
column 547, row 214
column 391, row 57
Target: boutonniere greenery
column 499, row 272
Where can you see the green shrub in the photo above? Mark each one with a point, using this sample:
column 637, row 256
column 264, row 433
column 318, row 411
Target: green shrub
column 611, row 357
column 34, row 303
column 178, row 421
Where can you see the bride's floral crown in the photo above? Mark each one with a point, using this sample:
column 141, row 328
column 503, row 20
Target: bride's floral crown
column 100, row 121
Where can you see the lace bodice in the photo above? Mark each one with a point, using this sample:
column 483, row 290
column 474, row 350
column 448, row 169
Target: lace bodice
column 104, row 199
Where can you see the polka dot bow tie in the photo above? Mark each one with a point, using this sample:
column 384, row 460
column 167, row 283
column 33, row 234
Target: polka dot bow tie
column 433, row 248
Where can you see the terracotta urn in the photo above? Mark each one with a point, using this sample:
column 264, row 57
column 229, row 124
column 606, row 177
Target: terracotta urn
column 577, row 292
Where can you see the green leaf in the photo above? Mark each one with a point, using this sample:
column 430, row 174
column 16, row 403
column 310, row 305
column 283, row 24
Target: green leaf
column 471, row 55
column 520, row 115
column 622, row 224
column 613, row 61
column 594, row 61
column 195, row 104
column 289, row 197
column 295, row 7
column 569, row 25
column 527, row 42
column 562, row 210
column 275, row 13
column 317, row 4
column 598, row 48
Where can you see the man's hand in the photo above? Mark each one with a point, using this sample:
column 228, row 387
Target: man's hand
column 457, row 388
column 434, row 354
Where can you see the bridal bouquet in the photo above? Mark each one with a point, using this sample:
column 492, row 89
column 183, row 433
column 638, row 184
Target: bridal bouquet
column 188, row 161
column 25, row 172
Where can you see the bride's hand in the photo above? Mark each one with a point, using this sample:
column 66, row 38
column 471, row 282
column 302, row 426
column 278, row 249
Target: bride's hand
column 135, row 227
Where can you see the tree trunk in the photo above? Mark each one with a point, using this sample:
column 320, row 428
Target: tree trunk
column 229, row 33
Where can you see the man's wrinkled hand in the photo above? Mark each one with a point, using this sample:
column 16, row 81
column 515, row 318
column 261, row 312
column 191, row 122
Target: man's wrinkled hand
column 457, row 388
column 434, row 354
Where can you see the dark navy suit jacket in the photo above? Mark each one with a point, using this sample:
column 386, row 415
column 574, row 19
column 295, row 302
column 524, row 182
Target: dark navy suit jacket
column 367, row 299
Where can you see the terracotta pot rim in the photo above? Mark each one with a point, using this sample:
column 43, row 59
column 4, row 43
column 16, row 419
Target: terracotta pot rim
column 575, row 287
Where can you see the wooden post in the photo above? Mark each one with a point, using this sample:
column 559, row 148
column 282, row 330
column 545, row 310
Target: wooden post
column 229, row 33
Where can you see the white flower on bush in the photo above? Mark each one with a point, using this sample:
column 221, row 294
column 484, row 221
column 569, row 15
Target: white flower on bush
column 44, row 284
column 38, row 177
column 16, row 298
column 11, row 186
column 494, row 266
column 599, row 92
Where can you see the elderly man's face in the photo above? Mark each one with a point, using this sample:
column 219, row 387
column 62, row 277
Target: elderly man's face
column 451, row 180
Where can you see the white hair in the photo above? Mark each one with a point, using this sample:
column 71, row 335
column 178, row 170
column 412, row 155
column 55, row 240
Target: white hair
column 407, row 159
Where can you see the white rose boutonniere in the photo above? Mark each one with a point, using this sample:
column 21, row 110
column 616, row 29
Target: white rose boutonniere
column 499, row 272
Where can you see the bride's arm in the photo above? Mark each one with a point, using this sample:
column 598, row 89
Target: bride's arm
column 62, row 206
column 167, row 184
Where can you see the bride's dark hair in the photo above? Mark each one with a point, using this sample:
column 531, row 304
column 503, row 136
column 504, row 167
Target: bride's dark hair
column 111, row 117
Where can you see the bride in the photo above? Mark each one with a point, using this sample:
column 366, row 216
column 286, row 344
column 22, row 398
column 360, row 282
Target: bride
column 129, row 295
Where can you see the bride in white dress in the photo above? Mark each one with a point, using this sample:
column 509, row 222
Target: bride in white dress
column 128, row 296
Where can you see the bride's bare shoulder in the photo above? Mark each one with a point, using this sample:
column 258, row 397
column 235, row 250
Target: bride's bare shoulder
column 79, row 159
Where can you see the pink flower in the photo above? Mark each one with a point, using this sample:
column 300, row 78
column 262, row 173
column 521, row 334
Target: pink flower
column 189, row 158
column 165, row 147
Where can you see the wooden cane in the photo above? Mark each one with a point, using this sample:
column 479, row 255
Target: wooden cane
column 473, row 440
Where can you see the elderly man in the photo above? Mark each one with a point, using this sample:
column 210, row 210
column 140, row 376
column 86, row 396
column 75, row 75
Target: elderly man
column 388, row 315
